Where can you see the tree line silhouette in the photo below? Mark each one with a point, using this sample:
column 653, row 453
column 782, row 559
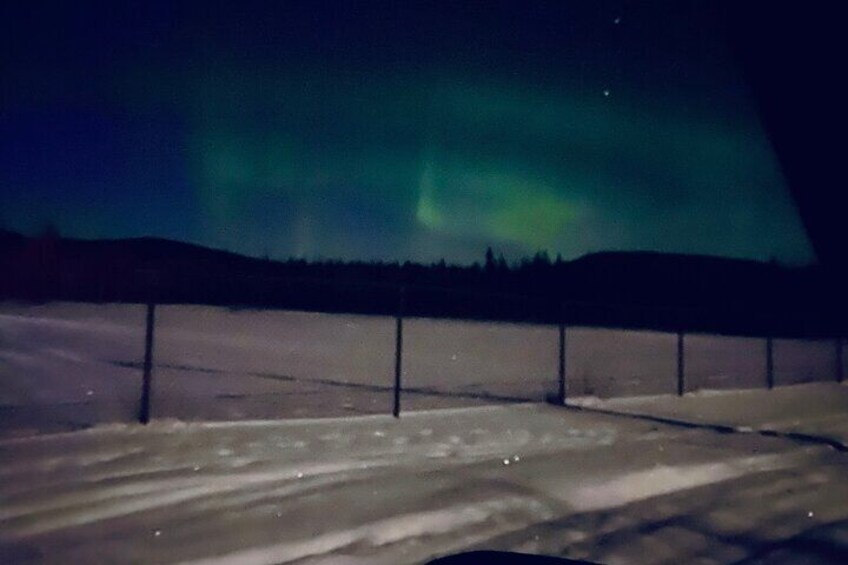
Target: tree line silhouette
column 621, row 289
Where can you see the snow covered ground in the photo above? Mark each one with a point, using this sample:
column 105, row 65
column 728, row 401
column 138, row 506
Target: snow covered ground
column 815, row 409
column 66, row 366
column 614, row 481
column 528, row 477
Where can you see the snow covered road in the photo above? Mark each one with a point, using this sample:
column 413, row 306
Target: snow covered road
column 531, row 478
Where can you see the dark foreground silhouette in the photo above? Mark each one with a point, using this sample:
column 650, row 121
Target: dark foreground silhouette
column 504, row 558
column 614, row 289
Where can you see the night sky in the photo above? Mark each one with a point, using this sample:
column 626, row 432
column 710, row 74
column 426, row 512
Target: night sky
column 389, row 130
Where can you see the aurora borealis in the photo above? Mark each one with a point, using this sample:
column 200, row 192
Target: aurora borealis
column 375, row 130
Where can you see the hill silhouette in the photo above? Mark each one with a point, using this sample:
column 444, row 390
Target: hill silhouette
column 624, row 289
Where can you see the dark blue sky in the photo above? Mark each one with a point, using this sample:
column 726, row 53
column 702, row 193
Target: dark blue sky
column 377, row 130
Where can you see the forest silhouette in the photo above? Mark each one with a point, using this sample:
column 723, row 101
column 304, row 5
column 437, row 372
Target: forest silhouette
column 610, row 289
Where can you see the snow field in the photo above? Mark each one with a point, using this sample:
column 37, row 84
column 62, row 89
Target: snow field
column 66, row 366
column 613, row 482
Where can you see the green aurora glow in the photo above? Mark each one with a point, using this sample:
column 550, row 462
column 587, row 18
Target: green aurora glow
column 461, row 164
column 404, row 132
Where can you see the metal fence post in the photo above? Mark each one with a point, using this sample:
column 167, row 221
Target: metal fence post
column 769, row 363
column 144, row 412
column 399, row 349
column 561, row 397
column 681, row 383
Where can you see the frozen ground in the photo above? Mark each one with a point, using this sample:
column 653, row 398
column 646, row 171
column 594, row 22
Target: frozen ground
column 529, row 477
column 615, row 481
column 815, row 409
column 65, row 366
